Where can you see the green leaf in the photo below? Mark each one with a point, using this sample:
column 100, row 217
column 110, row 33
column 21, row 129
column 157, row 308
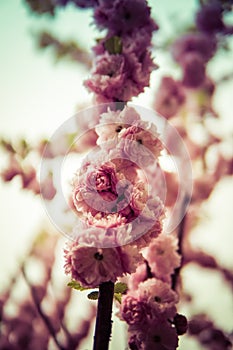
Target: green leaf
column 120, row 288
column 113, row 45
column 75, row 285
column 93, row 295
column 117, row 297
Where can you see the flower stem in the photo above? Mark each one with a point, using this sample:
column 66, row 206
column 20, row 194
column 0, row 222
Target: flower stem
column 103, row 324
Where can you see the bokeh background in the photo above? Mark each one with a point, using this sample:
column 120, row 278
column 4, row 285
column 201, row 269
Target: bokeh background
column 38, row 93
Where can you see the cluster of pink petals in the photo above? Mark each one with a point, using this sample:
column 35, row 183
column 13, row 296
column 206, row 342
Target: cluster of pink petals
column 169, row 97
column 101, row 188
column 120, row 75
column 113, row 122
column 158, row 335
column 155, row 300
column 162, row 256
column 91, row 266
column 110, row 179
column 123, row 16
column 130, row 138
column 149, row 306
column 193, row 51
column 119, row 215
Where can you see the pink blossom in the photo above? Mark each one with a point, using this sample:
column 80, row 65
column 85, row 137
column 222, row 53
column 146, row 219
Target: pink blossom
column 106, row 221
column 141, row 40
column 109, row 187
column 133, row 311
column 95, row 188
column 169, row 97
column 108, row 76
column 103, row 178
column 142, row 68
column 94, row 235
column 139, row 197
column 123, row 16
column 119, row 77
column 140, row 144
column 209, row 18
column 127, row 116
column 159, row 296
column 112, row 122
column 159, row 336
column 199, row 43
column 145, row 239
column 148, row 224
column 130, row 257
column 155, row 176
column 193, row 67
column 92, row 266
column 139, row 71
column 138, row 276
column 126, row 168
column 162, row 256
column 82, row 198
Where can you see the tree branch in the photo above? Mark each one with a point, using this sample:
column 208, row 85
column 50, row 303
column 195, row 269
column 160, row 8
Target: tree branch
column 180, row 237
column 103, row 325
column 44, row 317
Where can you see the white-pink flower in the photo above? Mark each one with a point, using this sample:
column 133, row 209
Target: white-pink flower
column 140, row 143
column 95, row 257
column 137, row 277
column 113, row 122
column 92, row 266
column 159, row 296
column 162, row 256
column 134, row 311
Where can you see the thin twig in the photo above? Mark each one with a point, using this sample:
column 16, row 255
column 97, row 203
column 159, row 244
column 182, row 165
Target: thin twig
column 44, row 317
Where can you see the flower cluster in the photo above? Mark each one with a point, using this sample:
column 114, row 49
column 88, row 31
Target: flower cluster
column 193, row 51
column 119, row 234
column 119, row 215
column 123, row 60
column 149, row 307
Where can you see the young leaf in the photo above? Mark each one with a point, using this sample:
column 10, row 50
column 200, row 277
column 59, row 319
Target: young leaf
column 93, row 295
column 120, row 288
column 113, row 45
column 75, row 285
column 117, row 297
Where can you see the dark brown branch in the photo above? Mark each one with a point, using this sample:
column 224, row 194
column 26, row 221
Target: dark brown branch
column 44, row 317
column 205, row 260
column 180, row 237
column 103, row 325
